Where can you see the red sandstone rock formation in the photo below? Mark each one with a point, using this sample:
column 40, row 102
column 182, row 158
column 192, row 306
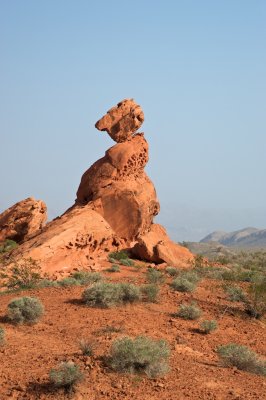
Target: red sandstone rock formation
column 22, row 220
column 115, row 206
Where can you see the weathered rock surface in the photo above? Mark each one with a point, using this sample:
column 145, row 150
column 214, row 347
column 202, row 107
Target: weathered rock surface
column 121, row 121
column 22, row 220
column 117, row 187
column 155, row 246
column 75, row 240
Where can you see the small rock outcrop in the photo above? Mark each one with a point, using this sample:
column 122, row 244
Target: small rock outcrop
column 22, row 220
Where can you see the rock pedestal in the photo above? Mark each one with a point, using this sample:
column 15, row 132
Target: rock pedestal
column 114, row 208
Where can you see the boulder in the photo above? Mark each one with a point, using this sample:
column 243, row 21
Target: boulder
column 122, row 121
column 155, row 246
column 22, row 220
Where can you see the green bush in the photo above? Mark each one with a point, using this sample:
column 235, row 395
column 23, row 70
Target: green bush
column 172, row 271
column 208, row 326
column 2, row 336
column 118, row 255
column 114, row 268
column 130, row 292
column 85, row 277
column 25, row 310
column 47, row 283
column 68, row 281
column 150, row 292
column 188, row 311
column 25, row 274
column 183, row 285
column 242, row 358
column 141, row 354
column 7, row 246
column 66, row 375
column 127, row 262
column 154, row 276
column 107, row 295
column 235, row 293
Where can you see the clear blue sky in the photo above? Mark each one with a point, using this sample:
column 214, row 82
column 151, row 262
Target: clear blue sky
column 198, row 70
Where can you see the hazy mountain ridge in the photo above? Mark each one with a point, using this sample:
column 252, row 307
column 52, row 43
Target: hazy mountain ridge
column 247, row 237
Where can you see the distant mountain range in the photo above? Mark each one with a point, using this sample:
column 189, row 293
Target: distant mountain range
column 247, row 237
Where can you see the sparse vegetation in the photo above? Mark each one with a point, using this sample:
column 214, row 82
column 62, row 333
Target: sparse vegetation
column 127, row 262
column 150, row 292
column 141, row 354
column 154, row 276
column 208, row 326
column 25, row 310
column 67, row 375
column 24, row 274
column 7, row 246
column 68, row 281
column 186, row 281
column 87, row 347
column 118, row 255
column 172, row 271
column 256, row 298
column 235, row 293
column 114, row 268
column 107, row 295
column 241, row 357
column 181, row 284
column 85, row 277
column 188, row 311
column 2, row 336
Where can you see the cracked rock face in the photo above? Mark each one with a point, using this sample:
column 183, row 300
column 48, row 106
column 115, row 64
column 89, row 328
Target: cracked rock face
column 122, row 121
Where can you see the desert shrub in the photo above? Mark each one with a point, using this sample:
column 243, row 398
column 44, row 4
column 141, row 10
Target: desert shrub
column 85, row 277
column 118, row 255
column 186, row 281
column 130, row 292
column 69, row 281
column 183, row 285
column 107, row 295
column 7, row 246
column 207, row 326
column 114, row 268
column 235, row 293
column 256, row 298
column 188, row 311
column 2, row 336
column 25, row 310
column 127, row 262
column 154, row 276
column 24, row 274
column 172, row 271
column 242, row 358
column 141, row 354
column 47, row 283
column 87, row 347
column 66, row 375
column 150, row 292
